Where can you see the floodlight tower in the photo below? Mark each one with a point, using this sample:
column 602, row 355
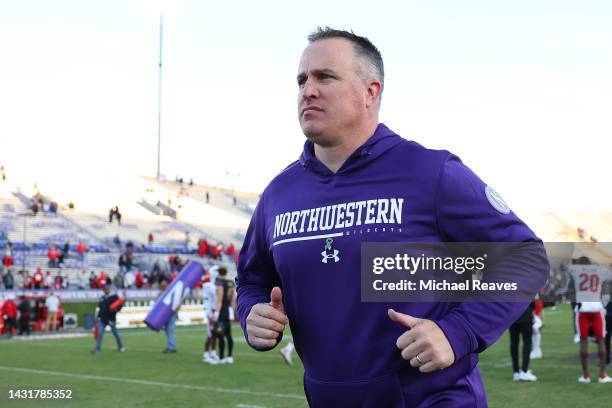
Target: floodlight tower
column 159, row 94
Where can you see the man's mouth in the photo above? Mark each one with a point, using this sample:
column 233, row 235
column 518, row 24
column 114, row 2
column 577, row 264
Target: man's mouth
column 311, row 109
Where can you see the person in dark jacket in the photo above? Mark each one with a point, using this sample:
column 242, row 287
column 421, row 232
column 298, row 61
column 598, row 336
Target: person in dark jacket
column 226, row 298
column 24, row 309
column 523, row 326
column 107, row 317
column 9, row 280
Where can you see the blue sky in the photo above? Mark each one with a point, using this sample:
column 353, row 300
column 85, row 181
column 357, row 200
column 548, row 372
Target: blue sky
column 521, row 90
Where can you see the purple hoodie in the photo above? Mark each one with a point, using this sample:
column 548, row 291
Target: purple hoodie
column 388, row 190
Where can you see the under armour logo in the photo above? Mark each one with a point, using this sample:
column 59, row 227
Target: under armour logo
column 333, row 256
column 327, row 255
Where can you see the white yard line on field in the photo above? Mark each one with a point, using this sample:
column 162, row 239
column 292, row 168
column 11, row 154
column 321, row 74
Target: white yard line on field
column 249, row 355
column 52, row 336
column 539, row 365
column 249, row 406
column 154, row 383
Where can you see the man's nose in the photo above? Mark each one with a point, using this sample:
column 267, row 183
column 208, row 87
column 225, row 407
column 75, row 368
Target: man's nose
column 310, row 89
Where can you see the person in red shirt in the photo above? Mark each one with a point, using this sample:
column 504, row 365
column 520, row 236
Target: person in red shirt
column 7, row 261
column 81, row 250
column 138, row 280
column 214, row 251
column 197, row 289
column 230, row 250
column 38, row 279
column 202, row 248
column 53, row 256
column 9, row 314
column 102, row 280
column 151, row 238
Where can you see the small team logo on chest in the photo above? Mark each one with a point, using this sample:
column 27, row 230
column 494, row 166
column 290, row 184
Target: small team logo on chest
column 329, row 253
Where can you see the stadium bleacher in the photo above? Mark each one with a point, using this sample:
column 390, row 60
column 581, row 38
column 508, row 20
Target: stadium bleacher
column 219, row 218
column 32, row 235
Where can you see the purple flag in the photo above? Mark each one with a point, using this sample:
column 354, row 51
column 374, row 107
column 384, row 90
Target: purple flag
column 173, row 296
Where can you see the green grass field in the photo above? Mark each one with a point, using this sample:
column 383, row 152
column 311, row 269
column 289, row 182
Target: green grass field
column 144, row 377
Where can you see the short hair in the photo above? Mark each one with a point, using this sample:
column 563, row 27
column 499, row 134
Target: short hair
column 584, row 260
column 222, row 271
column 363, row 48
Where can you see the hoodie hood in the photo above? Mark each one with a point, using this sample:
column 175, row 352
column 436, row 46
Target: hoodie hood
column 382, row 140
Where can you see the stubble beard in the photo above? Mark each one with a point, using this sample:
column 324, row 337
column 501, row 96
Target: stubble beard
column 320, row 137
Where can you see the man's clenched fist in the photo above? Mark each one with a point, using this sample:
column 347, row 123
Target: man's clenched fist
column 267, row 321
column 425, row 345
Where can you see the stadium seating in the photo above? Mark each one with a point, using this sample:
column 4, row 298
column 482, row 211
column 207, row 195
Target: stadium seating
column 32, row 236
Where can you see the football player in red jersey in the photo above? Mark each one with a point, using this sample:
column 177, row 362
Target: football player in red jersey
column 589, row 280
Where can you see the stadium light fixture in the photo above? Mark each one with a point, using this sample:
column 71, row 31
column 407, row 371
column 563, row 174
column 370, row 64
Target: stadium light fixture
column 159, row 94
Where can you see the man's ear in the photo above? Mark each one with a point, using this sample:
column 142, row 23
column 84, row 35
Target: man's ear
column 373, row 92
